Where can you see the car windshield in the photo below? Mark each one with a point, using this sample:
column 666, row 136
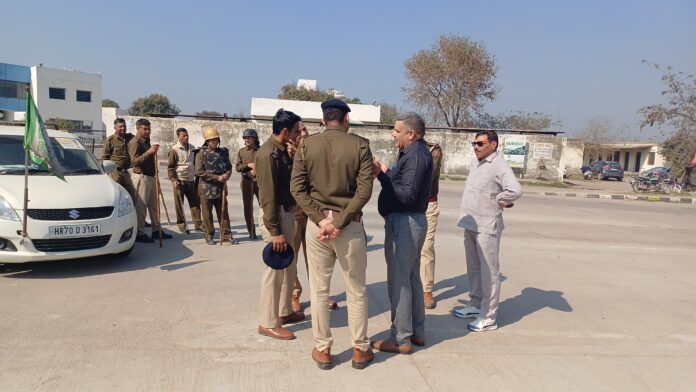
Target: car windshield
column 69, row 151
column 614, row 164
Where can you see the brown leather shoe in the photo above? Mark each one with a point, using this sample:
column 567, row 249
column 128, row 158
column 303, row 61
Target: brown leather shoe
column 362, row 358
column 292, row 318
column 429, row 301
column 322, row 358
column 417, row 340
column 389, row 346
column 332, row 304
column 296, row 307
column 276, row 333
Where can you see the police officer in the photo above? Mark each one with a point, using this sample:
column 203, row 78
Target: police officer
column 250, row 187
column 213, row 168
column 273, row 168
column 181, row 172
column 332, row 182
column 427, row 267
column 116, row 150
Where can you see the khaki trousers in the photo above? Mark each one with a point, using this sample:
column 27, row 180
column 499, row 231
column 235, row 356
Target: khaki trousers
column 300, row 242
column 146, row 202
column 427, row 267
column 351, row 250
column 276, row 285
column 124, row 179
column 483, row 270
column 223, row 217
column 187, row 189
column 250, row 188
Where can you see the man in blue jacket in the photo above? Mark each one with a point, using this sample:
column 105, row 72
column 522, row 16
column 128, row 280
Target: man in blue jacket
column 403, row 202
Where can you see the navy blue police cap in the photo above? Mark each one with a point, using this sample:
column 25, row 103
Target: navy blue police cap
column 278, row 260
column 335, row 103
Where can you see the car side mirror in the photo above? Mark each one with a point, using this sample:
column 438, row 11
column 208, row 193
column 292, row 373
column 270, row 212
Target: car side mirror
column 109, row 166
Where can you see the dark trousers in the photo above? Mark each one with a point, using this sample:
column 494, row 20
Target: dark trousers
column 187, row 189
column 222, row 216
column 250, row 188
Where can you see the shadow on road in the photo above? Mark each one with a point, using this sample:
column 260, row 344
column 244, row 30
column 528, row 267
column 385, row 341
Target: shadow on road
column 530, row 300
column 173, row 250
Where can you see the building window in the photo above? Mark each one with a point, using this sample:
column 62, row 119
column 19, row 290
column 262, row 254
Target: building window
column 56, row 93
column 83, row 96
column 651, row 159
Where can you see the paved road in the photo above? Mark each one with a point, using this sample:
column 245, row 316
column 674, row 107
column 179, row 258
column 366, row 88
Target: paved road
column 598, row 295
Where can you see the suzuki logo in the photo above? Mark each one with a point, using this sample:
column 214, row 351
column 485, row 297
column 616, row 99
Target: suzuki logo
column 74, row 214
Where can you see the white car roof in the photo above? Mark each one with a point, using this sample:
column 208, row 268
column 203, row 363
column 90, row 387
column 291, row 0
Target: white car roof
column 18, row 130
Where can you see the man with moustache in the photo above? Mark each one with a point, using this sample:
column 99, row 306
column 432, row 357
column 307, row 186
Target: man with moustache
column 142, row 158
column 116, row 150
column 182, row 174
column 273, row 170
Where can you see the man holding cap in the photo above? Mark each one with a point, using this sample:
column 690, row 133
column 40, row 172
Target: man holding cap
column 142, row 157
column 273, row 170
column 332, row 182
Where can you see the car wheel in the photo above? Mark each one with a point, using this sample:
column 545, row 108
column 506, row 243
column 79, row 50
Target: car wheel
column 125, row 253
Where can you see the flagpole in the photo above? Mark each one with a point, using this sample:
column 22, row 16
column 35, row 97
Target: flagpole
column 26, row 193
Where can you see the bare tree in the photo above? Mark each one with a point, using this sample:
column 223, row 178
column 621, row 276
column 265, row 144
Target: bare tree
column 451, row 80
column 601, row 137
column 676, row 118
column 518, row 120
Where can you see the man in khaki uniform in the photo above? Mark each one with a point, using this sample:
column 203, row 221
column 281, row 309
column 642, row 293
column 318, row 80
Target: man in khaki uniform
column 116, row 150
column 273, row 170
column 332, row 182
column 427, row 268
column 247, row 168
column 142, row 158
column 182, row 174
column 213, row 169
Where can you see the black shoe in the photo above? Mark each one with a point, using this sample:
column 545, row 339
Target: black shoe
column 209, row 241
column 165, row 236
column 144, row 238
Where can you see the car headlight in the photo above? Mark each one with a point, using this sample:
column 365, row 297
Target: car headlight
column 125, row 204
column 6, row 211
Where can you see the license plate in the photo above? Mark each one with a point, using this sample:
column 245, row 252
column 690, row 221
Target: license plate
column 64, row 231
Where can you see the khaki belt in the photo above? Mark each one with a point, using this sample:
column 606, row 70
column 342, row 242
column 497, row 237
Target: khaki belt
column 335, row 214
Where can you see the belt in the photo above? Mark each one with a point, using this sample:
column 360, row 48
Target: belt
column 335, row 214
column 121, row 169
column 432, row 199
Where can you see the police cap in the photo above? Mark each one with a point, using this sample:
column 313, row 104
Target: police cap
column 277, row 260
column 335, row 103
column 249, row 132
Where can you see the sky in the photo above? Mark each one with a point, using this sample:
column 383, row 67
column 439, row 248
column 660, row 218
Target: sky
column 574, row 60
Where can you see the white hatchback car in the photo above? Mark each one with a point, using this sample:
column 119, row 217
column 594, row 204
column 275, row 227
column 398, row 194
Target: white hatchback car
column 86, row 215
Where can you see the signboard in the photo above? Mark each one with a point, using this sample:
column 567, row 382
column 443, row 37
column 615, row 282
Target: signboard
column 542, row 150
column 514, row 150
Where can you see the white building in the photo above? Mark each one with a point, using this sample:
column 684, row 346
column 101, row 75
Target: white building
column 266, row 108
column 75, row 96
column 633, row 157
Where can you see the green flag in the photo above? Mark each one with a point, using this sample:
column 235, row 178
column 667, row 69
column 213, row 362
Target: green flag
column 36, row 142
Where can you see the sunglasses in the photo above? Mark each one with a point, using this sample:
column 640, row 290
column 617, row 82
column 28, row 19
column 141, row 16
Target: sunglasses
column 479, row 144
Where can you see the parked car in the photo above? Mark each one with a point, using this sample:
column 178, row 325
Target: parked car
column 86, row 215
column 604, row 170
column 656, row 173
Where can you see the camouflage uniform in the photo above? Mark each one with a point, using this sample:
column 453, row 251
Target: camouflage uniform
column 209, row 165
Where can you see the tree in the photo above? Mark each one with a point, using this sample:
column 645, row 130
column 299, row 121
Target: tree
column 676, row 118
column 208, row 113
column 387, row 113
column 517, row 120
column 152, row 104
column 292, row 92
column 451, row 80
column 599, row 135
column 109, row 103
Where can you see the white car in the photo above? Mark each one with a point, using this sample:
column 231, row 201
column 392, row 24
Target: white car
column 86, row 215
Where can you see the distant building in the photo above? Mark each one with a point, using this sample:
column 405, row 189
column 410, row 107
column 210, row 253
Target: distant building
column 266, row 108
column 73, row 96
column 633, row 157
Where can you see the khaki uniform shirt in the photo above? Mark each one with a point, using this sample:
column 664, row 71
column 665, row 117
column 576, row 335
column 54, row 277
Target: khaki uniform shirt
column 180, row 165
column 141, row 161
column 245, row 156
column 116, row 149
column 209, row 165
column 490, row 182
column 333, row 170
column 273, row 170
column 436, row 152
